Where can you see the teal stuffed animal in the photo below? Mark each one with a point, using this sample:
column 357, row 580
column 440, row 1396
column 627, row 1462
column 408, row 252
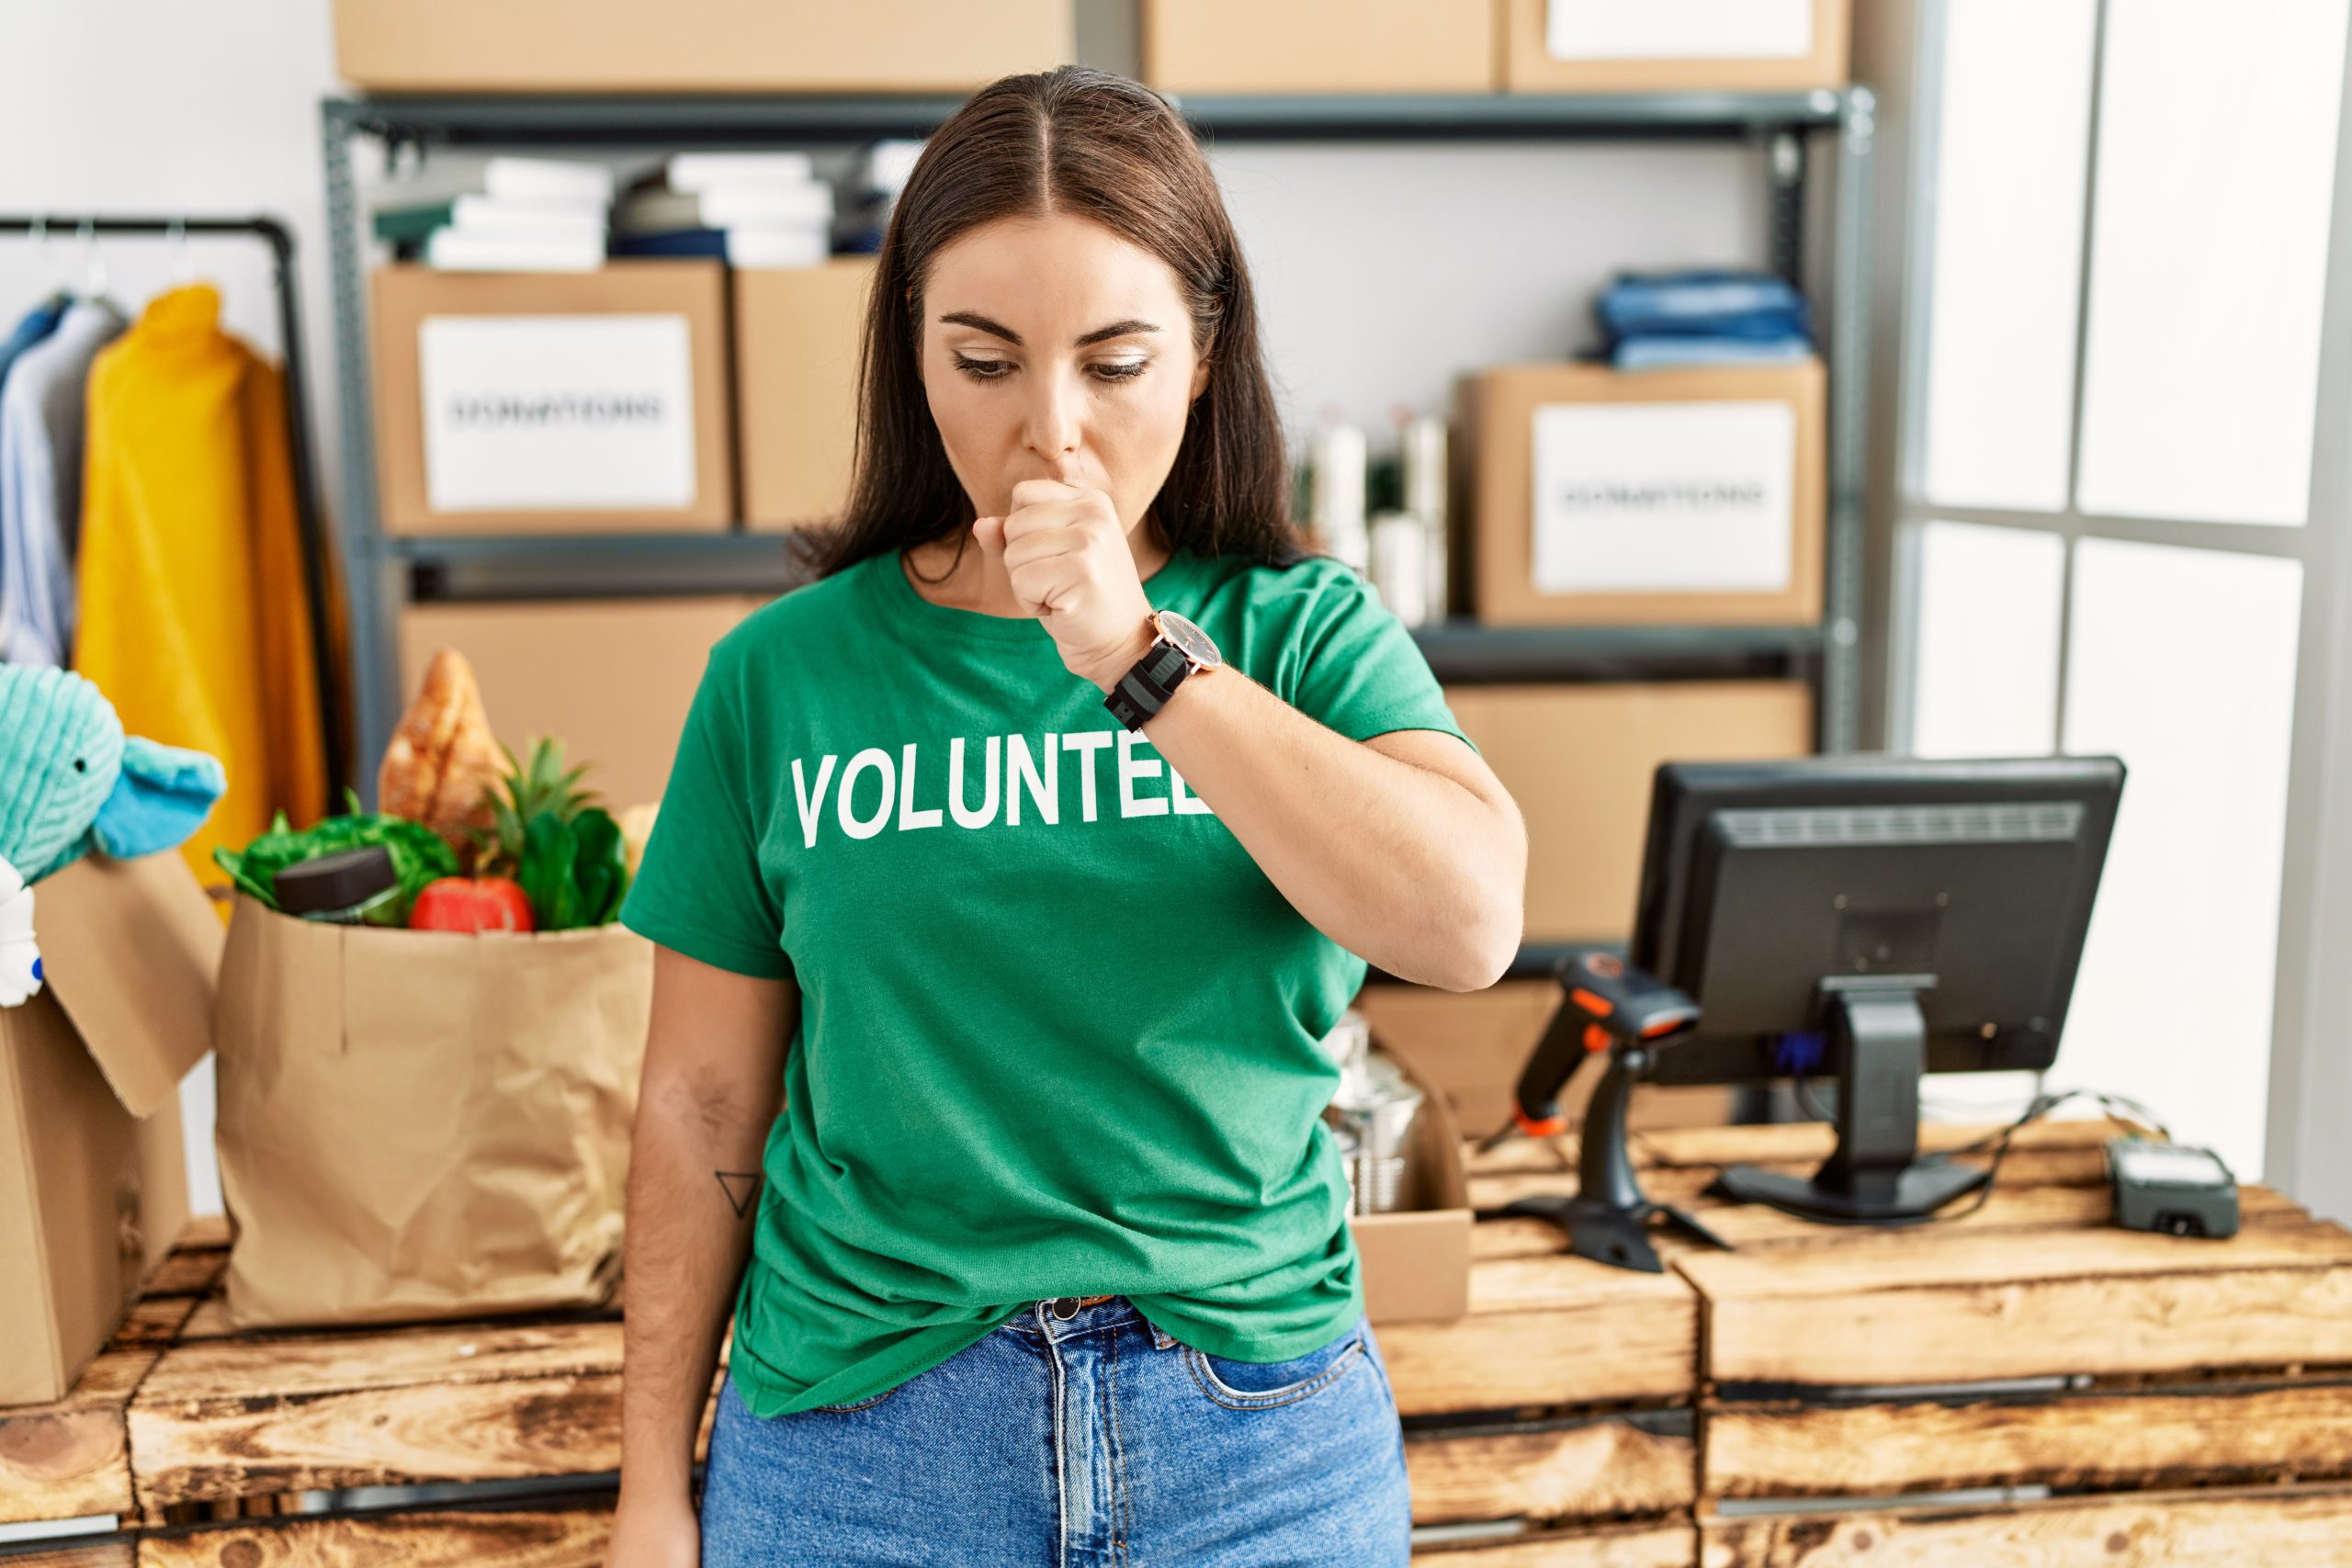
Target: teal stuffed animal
column 72, row 782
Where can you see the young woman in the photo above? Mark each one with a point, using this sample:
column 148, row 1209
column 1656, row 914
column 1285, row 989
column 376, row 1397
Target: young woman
column 1033, row 847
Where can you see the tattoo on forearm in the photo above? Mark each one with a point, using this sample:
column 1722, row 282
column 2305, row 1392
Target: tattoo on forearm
column 740, row 1187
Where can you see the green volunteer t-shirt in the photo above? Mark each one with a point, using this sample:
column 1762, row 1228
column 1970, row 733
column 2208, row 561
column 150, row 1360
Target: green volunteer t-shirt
column 1058, row 1033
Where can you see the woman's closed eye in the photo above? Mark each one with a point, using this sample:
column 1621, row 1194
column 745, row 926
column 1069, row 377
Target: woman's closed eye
column 997, row 369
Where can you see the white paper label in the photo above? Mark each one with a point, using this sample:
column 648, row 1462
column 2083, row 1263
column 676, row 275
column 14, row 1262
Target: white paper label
column 1664, row 498
column 1679, row 30
column 556, row 413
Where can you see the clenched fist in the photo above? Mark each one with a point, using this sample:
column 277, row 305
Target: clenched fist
column 1072, row 567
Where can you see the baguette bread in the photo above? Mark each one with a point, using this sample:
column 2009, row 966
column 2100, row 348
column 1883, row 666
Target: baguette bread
column 443, row 766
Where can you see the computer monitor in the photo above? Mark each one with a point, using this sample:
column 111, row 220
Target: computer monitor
column 1869, row 918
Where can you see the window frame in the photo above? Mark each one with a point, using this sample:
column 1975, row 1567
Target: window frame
column 2309, row 1083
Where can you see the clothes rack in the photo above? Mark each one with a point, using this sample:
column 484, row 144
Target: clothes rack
column 310, row 522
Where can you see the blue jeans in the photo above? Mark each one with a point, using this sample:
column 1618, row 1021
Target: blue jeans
column 1100, row 1439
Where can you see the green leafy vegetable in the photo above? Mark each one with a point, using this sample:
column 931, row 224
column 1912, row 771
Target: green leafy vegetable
column 601, row 870
column 419, row 855
column 574, row 872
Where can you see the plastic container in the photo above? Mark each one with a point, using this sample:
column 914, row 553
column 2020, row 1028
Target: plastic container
column 349, row 888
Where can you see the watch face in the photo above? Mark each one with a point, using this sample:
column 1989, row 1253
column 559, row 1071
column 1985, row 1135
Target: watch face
column 1190, row 638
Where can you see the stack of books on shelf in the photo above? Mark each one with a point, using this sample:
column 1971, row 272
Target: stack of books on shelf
column 873, row 186
column 752, row 208
column 518, row 215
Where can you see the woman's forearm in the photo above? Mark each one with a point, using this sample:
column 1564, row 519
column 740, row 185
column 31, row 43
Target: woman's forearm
column 1402, row 866
column 685, row 1251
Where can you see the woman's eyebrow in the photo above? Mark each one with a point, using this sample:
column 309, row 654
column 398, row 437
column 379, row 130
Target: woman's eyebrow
column 974, row 318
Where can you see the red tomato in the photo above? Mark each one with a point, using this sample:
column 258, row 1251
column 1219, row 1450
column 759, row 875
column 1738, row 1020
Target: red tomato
column 471, row 904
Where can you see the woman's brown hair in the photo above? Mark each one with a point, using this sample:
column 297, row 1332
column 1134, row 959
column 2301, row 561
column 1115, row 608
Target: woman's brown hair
column 1089, row 143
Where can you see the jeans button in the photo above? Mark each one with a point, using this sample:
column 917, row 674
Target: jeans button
column 1065, row 1307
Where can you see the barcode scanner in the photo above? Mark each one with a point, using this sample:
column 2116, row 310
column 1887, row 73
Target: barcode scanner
column 1610, row 1007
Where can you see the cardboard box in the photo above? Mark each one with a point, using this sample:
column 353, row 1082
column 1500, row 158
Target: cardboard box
column 612, row 679
column 696, row 46
column 93, row 1165
column 1670, row 46
column 1319, row 46
column 1601, row 497
column 1579, row 759
column 1474, row 1044
column 1416, row 1260
column 797, row 331
column 564, row 402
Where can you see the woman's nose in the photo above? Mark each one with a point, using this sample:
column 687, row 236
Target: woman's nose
column 1054, row 416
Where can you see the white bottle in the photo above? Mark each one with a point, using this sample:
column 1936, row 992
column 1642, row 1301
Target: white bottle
column 1400, row 565
column 1421, row 455
column 1336, row 479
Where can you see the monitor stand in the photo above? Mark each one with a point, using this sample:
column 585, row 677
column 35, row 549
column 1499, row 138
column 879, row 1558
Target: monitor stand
column 1878, row 1038
column 1609, row 1219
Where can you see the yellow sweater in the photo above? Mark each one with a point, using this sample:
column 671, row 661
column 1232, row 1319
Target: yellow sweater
column 192, row 616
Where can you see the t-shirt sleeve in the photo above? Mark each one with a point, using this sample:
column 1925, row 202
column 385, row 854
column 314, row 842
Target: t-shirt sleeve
column 1359, row 672
column 699, row 888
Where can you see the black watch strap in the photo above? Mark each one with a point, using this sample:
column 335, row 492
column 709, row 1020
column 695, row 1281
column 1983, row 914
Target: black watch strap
column 1148, row 683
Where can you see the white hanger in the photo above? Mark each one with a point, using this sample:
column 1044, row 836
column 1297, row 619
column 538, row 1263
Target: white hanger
column 95, row 277
column 53, row 265
column 183, row 262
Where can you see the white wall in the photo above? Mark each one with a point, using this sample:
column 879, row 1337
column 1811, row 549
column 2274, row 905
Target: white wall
column 1383, row 268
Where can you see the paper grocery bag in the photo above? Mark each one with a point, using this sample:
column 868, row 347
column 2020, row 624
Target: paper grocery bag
column 421, row 1125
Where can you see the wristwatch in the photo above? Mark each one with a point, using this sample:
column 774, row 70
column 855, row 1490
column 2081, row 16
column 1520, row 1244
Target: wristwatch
column 1177, row 648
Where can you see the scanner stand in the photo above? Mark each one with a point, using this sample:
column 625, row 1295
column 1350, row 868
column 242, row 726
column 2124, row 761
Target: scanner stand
column 1609, row 1219
column 1878, row 1039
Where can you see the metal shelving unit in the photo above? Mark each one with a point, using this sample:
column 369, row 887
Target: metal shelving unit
column 386, row 573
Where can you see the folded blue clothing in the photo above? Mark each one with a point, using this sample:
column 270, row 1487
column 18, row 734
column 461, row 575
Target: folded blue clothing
column 1712, row 302
column 1672, row 350
column 671, row 243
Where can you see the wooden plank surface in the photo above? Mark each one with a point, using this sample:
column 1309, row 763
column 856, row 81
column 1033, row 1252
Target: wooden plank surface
column 2012, row 1207
column 1598, row 1467
column 578, row 1539
column 436, row 1539
column 2227, row 1432
column 1963, row 1307
column 104, row 1552
column 1548, row 1330
column 2037, row 1281
column 69, row 1457
column 290, row 1412
column 1645, row 1544
column 2310, row 1529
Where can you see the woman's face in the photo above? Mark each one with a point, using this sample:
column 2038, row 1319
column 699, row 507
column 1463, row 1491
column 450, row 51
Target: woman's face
column 1054, row 349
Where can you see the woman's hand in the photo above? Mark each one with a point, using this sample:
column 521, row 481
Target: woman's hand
column 654, row 1533
column 1072, row 567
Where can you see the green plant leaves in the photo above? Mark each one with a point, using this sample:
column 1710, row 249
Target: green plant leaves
column 418, row 853
column 574, row 872
column 601, row 868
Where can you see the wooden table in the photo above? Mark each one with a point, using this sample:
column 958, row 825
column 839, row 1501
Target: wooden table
column 2029, row 1385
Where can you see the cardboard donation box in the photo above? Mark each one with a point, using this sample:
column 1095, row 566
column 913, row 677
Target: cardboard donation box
column 689, row 46
column 1319, row 46
column 93, row 1165
column 553, row 403
column 796, row 336
column 1473, row 1046
column 1674, row 46
column 1597, row 496
column 421, row 1125
column 1579, row 761
column 614, row 677
column 1415, row 1257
